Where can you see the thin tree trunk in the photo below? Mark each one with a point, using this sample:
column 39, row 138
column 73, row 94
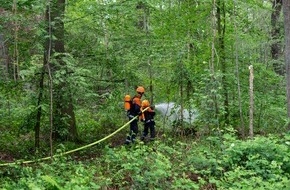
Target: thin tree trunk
column 41, row 80
column 3, row 58
column 212, row 67
column 237, row 74
column 181, row 97
column 276, row 45
column 251, row 132
column 286, row 12
column 189, row 89
column 15, row 53
column 39, row 109
column 50, row 109
column 221, row 27
column 50, row 77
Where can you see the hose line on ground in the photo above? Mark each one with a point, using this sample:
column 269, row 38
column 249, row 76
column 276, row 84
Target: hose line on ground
column 74, row 150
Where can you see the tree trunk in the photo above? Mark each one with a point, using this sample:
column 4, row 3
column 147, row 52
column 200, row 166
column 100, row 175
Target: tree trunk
column 251, row 132
column 238, row 75
column 15, row 51
column 48, row 53
column 46, row 58
column 39, row 109
column 221, row 27
column 64, row 110
column 276, row 45
column 181, row 97
column 212, row 61
column 3, row 58
column 286, row 12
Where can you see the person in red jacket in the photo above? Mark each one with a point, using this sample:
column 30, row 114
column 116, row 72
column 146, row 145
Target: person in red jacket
column 148, row 119
column 135, row 109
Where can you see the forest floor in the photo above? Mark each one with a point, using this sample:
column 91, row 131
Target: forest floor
column 6, row 157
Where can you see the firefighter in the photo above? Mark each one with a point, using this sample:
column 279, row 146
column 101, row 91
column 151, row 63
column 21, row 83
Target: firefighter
column 135, row 109
column 148, row 119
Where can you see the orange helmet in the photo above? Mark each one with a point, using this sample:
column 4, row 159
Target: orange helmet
column 140, row 89
column 145, row 103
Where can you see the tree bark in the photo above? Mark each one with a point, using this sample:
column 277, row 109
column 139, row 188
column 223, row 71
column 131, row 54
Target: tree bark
column 48, row 53
column 212, row 61
column 286, row 12
column 3, row 58
column 15, row 52
column 238, row 75
column 221, row 28
column 251, row 132
column 64, row 110
column 39, row 109
column 276, row 45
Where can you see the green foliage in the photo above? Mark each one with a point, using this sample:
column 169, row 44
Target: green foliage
column 111, row 46
column 51, row 181
column 217, row 163
column 108, row 51
column 247, row 163
column 143, row 166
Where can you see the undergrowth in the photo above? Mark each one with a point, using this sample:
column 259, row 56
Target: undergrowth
column 223, row 162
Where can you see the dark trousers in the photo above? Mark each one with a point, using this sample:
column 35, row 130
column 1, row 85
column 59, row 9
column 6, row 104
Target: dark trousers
column 149, row 126
column 133, row 131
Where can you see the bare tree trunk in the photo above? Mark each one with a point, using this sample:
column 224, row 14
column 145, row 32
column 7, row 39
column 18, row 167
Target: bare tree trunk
column 221, row 28
column 50, row 109
column 237, row 74
column 212, row 67
column 181, row 97
column 49, row 48
column 46, row 57
column 276, row 45
column 286, row 12
column 15, row 52
column 39, row 109
column 251, row 101
column 189, row 88
column 3, row 58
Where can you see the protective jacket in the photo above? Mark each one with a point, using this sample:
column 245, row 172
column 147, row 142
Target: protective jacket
column 148, row 115
column 135, row 108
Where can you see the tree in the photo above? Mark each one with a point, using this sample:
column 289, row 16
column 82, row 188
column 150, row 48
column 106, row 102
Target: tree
column 276, row 45
column 63, row 113
column 64, row 110
column 286, row 12
column 221, row 29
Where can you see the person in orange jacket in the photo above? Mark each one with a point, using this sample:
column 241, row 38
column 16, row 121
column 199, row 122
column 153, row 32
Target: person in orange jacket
column 135, row 109
column 148, row 119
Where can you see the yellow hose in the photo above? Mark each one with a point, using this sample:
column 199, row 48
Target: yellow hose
column 74, row 150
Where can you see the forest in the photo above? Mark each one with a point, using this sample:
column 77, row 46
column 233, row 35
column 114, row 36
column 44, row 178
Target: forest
column 216, row 73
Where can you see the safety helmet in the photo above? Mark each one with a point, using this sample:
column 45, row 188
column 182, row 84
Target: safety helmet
column 145, row 103
column 127, row 98
column 140, row 90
